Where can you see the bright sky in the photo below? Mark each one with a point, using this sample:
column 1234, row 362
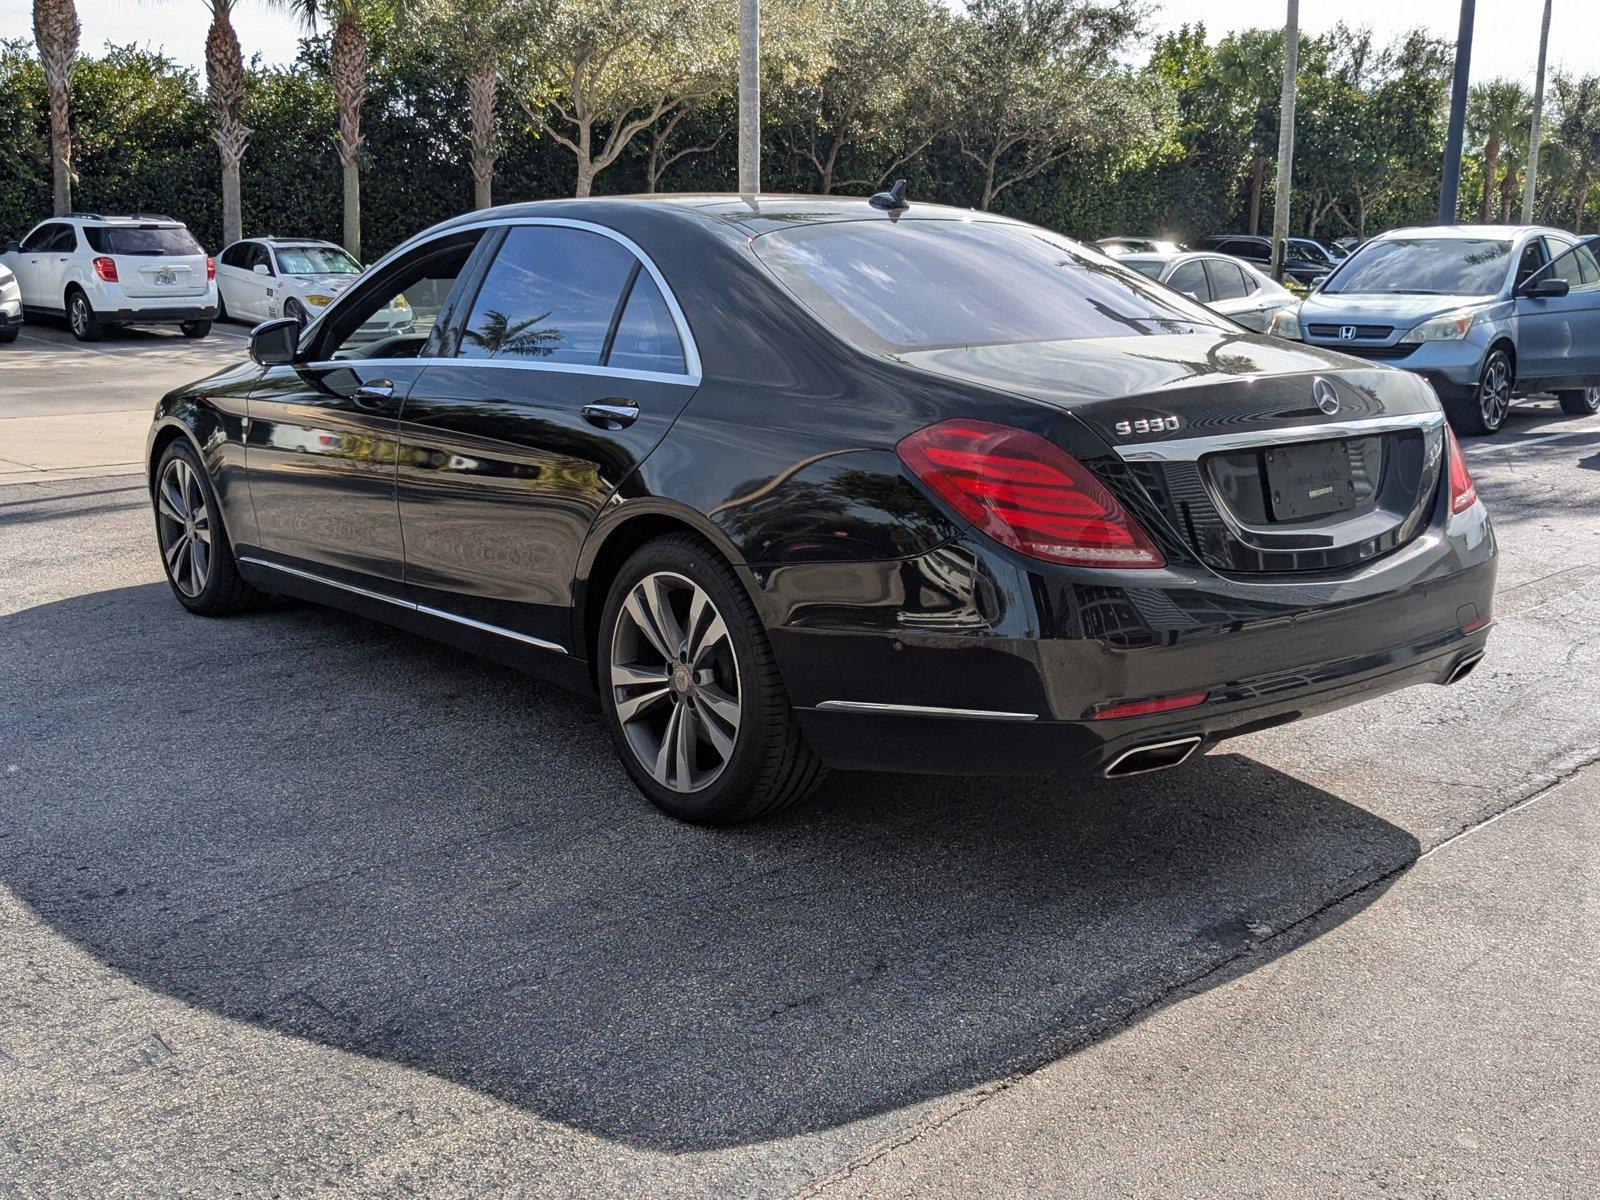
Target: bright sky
column 1506, row 40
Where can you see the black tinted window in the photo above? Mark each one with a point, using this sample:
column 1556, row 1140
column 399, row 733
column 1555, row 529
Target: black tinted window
column 153, row 240
column 907, row 285
column 646, row 338
column 236, row 255
column 1577, row 266
column 39, row 238
column 1146, row 266
column 1190, row 279
column 1425, row 266
column 1228, row 280
column 550, row 295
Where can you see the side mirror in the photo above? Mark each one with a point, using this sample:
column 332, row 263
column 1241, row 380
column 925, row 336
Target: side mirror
column 262, row 269
column 275, row 343
column 1316, row 284
column 13, row 246
column 1548, row 288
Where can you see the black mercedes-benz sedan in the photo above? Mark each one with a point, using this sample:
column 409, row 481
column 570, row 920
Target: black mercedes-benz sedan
column 792, row 483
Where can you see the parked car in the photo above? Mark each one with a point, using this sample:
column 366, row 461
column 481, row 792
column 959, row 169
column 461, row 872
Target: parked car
column 1233, row 288
column 1484, row 313
column 101, row 272
column 810, row 482
column 10, row 306
column 1118, row 246
column 262, row 278
column 1304, row 261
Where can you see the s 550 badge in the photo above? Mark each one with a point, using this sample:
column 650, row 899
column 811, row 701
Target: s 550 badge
column 1148, row 425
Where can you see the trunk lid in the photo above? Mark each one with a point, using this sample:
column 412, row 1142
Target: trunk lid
column 153, row 259
column 1261, row 456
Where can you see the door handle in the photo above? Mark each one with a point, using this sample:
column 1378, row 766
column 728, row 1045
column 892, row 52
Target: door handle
column 370, row 395
column 611, row 414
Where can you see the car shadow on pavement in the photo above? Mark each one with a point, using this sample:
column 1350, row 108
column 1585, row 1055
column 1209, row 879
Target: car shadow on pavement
column 312, row 823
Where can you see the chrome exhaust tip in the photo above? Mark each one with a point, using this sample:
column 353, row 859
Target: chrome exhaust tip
column 1152, row 756
column 1463, row 668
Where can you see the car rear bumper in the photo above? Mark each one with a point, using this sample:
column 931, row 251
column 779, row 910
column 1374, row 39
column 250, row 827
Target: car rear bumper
column 166, row 315
column 1007, row 678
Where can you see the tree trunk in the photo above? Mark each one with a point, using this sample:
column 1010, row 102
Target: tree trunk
column 585, row 182
column 225, row 86
column 348, row 67
column 1508, row 196
column 55, row 33
column 483, row 96
column 1258, row 179
column 1491, row 165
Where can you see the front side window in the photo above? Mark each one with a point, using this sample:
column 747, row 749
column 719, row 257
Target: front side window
column 316, row 260
column 39, row 238
column 889, row 287
column 550, row 296
column 1577, row 266
column 154, row 241
column 1424, row 267
column 394, row 315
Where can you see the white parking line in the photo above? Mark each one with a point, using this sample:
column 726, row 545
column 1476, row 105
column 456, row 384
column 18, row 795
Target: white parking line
column 1486, row 447
column 68, row 345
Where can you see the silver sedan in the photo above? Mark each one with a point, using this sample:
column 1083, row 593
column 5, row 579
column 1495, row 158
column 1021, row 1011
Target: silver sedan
column 1231, row 287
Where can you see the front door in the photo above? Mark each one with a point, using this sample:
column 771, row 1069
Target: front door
column 323, row 436
column 1235, row 295
column 1558, row 337
column 569, row 369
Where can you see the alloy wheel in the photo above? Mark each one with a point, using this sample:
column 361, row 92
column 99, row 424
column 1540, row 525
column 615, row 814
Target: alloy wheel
column 675, row 681
column 79, row 316
column 185, row 527
column 1494, row 392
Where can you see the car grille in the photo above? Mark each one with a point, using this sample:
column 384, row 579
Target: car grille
column 1362, row 331
column 1381, row 353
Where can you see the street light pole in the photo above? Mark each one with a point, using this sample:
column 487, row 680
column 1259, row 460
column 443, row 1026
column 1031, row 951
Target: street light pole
column 1280, row 202
column 1458, row 117
column 1533, row 131
column 749, row 98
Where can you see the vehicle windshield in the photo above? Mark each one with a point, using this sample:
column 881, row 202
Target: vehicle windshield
column 890, row 287
column 316, row 260
column 1312, row 251
column 1424, row 267
column 155, row 240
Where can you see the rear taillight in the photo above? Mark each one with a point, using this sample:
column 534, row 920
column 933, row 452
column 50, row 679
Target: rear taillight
column 1463, row 492
column 1027, row 494
column 211, row 268
column 106, row 268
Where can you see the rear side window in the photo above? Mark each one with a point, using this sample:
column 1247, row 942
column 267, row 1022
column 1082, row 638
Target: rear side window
column 646, row 337
column 890, row 287
column 1190, row 279
column 235, row 255
column 154, row 241
column 549, row 296
column 1228, row 280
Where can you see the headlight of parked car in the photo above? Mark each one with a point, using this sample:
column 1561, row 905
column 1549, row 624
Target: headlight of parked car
column 1451, row 327
column 1286, row 323
column 319, row 300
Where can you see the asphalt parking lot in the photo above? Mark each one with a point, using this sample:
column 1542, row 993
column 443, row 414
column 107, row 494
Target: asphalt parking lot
column 292, row 905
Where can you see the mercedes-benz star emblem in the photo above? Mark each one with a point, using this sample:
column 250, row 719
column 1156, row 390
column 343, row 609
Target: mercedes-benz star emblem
column 1327, row 398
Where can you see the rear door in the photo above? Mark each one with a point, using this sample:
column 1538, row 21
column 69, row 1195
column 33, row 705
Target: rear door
column 231, row 269
column 571, row 365
column 1558, row 337
column 1234, row 295
column 154, row 261
column 1189, row 277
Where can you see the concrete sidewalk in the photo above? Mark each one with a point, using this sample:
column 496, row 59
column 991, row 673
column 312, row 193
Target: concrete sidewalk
column 1444, row 1042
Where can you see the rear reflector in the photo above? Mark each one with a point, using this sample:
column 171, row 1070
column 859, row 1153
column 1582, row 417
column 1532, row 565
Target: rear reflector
column 106, row 268
column 1476, row 623
column 1463, row 492
column 1144, row 708
column 1027, row 494
column 211, row 268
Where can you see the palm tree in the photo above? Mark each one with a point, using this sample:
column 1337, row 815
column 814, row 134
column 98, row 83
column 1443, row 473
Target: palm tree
column 225, row 87
column 55, row 32
column 1498, row 113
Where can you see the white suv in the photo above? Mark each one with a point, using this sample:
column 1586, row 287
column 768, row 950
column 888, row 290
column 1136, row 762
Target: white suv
column 10, row 305
column 107, row 271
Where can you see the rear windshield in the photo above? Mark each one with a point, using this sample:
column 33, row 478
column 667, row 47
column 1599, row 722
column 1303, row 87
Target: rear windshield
column 316, row 260
column 906, row 285
column 154, row 240
column 1145, row 267
column 1425, row 267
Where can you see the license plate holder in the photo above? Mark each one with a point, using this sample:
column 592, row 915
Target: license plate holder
column 1311, row 479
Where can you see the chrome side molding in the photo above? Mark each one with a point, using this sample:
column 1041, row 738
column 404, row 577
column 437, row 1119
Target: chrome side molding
column 423, row 609
column 923, row 710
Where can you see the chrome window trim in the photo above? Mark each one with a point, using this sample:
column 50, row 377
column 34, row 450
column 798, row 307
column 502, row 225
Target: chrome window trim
column 1192, row 449
column 425, row 610
column 570, row 368
column 923, row 710
column 691, row 351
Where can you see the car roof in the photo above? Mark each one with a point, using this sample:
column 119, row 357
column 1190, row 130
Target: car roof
column 1480, row 232
column 143, row 220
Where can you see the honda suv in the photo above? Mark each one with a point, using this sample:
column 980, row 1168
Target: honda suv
column 103, row 272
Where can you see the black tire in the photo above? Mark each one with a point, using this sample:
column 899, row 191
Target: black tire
column 1484, row 411
column 222, row 307
column 770, row 766
column 296, row 311
column 1584, row 402
column 223, row 591
column 81, row 318
column 9, row 334
column 195, row 329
